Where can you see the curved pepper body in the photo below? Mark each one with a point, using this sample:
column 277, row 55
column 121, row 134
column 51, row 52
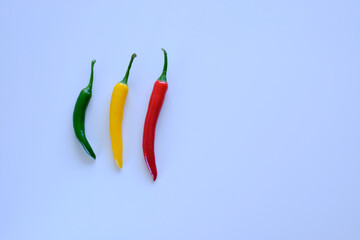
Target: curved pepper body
column 117, row 105
column 155, row 104
column 79, row 114
column 79, row 120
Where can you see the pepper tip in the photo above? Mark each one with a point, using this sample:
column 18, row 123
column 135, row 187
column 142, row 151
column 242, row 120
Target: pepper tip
column 154, row 177
column 119, row 163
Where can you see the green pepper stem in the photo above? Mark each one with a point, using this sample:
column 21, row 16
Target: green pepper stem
column 163, row 75
column 125, row 80
column 92, row 74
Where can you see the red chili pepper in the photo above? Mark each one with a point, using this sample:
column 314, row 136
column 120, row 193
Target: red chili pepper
column 155, row 104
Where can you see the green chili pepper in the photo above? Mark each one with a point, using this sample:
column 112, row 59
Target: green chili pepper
column 79, row 113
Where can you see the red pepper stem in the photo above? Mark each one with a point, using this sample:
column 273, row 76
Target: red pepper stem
column 92, row 74
column 163, row 75
column 124, row 81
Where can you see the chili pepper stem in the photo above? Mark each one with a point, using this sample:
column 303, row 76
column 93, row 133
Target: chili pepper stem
column 163, row 74
column 124, row 81
column 92, row 74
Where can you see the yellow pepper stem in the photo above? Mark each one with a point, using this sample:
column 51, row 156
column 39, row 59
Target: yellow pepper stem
column 124, row 81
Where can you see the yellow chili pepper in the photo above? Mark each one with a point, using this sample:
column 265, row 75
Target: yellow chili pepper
column 117, row 105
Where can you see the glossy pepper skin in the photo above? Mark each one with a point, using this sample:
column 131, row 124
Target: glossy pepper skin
column 117, row 105
column 79, row 114
column 155, row 104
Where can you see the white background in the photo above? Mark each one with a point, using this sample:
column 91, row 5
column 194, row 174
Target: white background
column 258, row 137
